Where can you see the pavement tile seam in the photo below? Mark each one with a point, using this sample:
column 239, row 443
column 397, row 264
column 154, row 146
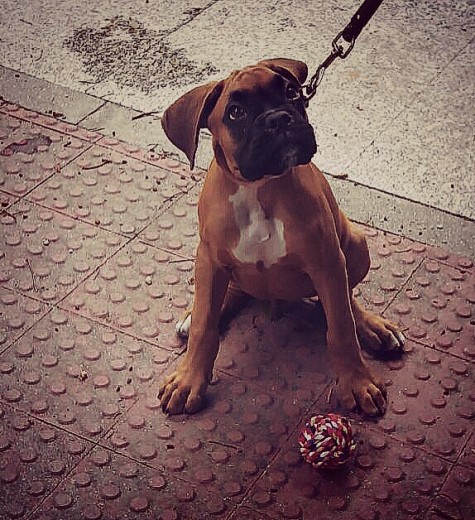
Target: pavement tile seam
column 436, row 308
column 77, row 396
column 48, row 309
column 38, row 421
column 46, row 179
column 174, row 200
column 49, row 122
column 420, row 449
column 36, row 118
column 371, row 426
column 167, row 205
column 448, row 263
column 127, row 241
column 457, row 261
column 403, row 286
column 423, row 249
column 44, row 155
column 246, row 510
column 163, row 160
column 150, row 268
column 467, row 447
column 86, row 225
column 75, row 467
column 104, row 467
column 93, row 443
column 103, row 445
column 450, row 502
column 51, row 424
column 86, row 316
column 93, row 275
column 123, row 194
column 92, row 112
column 441, row 351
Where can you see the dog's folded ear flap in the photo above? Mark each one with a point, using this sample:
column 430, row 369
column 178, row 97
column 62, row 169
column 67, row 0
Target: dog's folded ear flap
column 285, row 66
column 183, row 119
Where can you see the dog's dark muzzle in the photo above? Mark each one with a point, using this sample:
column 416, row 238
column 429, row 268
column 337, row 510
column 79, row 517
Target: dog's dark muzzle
column 278, row 140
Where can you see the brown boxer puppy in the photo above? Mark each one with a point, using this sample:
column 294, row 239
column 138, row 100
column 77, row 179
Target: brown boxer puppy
column 270, row 228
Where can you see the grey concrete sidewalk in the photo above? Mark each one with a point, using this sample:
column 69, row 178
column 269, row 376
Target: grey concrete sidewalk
column 395, row 119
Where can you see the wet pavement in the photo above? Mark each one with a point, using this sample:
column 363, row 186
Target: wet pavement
column 96, row 265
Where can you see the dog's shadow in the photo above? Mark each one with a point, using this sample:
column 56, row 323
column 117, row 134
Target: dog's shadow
column 280, row 345
column 277, row 346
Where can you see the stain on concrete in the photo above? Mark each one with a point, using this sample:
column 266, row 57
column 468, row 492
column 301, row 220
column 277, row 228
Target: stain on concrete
column 125, row 51
column 27, row 146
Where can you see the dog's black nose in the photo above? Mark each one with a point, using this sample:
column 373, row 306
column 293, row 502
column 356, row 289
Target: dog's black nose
column 277, row 121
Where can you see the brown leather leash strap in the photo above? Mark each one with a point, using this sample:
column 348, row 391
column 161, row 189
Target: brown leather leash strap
column 342, row 45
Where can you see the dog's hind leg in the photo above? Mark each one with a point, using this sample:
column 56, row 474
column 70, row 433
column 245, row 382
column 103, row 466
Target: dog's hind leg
column 234, row 302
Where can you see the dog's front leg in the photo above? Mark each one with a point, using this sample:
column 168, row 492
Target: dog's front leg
column 356, row 383
column 184, row 390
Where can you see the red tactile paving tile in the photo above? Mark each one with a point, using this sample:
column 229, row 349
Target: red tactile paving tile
column 78, row 374
column 177, row 228
column 141, row 291
column 385, row 479
column 17, row 314
column 88, row 366
column 431, row 400
column 46, row 121
column 223, row 448
column 110, row 486
column 244, row 513
column 437, row 307
column 46, row 254
column 286, row 355
column 111, row 190
column 446, row 257
column 151, row 157
column 34, row 459
column 468, row 455
column 6, row 200
column 393, row 260
column 456, row 499
column 29, row 154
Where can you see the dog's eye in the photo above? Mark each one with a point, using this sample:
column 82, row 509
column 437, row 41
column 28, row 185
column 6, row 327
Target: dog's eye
column 236, row 112
column 292, row 93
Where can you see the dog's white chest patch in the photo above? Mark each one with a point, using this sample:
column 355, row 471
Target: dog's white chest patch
column 260, row 238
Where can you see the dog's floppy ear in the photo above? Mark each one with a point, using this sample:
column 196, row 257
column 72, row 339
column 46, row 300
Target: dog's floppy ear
column 285, row 66
column 182, row 120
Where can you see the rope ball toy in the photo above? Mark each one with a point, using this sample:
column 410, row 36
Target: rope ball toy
column 326, row 441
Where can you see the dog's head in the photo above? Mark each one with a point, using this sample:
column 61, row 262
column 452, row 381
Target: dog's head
column 256, row 116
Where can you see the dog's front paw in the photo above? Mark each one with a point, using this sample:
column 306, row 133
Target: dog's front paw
column 378, row 334
column 183, row 391
column 360, row 388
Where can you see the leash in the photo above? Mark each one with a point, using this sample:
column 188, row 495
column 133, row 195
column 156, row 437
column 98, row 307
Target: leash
column 342, row 45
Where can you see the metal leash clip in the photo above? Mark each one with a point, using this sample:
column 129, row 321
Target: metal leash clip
column 342, row 45
column 338, row 51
